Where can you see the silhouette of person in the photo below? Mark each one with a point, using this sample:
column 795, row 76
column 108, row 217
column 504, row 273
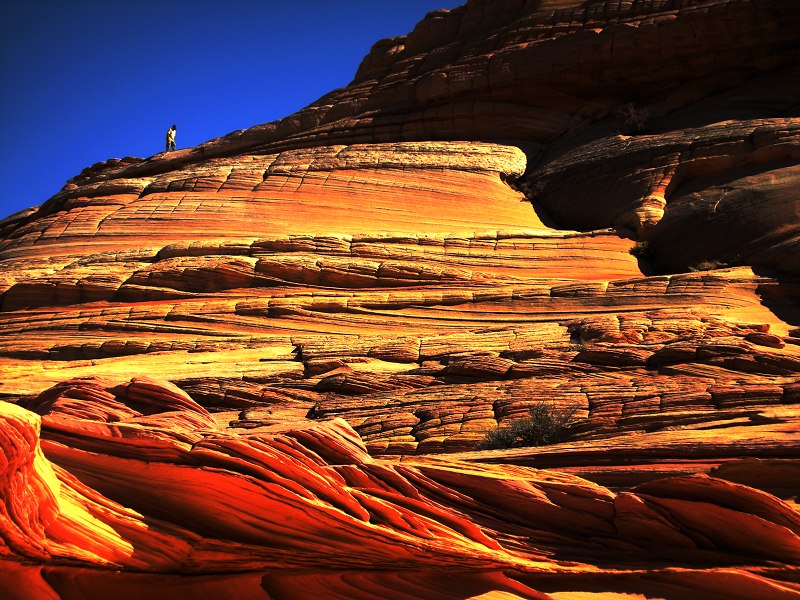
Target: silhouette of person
column 171, row 138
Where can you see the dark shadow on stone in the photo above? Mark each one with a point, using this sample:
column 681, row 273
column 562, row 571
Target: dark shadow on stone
column 781, row 296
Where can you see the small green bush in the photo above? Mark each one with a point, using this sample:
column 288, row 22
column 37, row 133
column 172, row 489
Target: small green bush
column 708, row 265
column 546, row 425
column 536, row 189
column 642, row 250
column 633, row 119
column 531, row 189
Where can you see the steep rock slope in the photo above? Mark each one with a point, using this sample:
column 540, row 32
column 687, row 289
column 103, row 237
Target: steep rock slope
column 260, row 367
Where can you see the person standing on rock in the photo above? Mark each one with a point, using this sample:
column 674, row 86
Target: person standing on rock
column 171, row 138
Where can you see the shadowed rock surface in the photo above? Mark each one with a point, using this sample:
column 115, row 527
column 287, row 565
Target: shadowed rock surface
column 259, row 368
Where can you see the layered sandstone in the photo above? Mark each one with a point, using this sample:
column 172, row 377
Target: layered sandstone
column 261, row 367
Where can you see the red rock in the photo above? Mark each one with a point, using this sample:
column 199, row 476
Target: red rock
column 204, row 404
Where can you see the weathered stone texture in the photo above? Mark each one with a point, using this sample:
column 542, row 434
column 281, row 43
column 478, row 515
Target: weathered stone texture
column 261, row 367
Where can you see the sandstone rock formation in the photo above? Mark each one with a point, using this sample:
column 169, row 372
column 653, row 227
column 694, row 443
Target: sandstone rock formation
column 259, row 368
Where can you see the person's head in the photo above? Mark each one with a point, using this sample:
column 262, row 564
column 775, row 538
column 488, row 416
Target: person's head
column 174, row 126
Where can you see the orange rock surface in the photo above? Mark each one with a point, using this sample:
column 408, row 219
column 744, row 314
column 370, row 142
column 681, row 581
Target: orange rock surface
column 260, row 368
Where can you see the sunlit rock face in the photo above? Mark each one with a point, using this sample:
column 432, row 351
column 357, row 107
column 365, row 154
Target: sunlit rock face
column 260, row 368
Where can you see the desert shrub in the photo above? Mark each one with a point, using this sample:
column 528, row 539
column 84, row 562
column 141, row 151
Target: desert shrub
column 642, row 250
column 578, row 346
column 576, row 342
column 531, row 189
column 633, row 119
column 537, row 187
column 708, row 265
column 545, row 425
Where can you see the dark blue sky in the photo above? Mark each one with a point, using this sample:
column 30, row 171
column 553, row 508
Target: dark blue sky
column 86, row 81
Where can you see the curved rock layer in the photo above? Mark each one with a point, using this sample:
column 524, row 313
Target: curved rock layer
column 261, row 367
column 293, row 499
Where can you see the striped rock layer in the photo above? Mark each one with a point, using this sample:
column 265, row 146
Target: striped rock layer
column 261, row 367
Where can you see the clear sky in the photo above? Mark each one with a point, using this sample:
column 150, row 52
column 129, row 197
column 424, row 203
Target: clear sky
column 89, row 80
